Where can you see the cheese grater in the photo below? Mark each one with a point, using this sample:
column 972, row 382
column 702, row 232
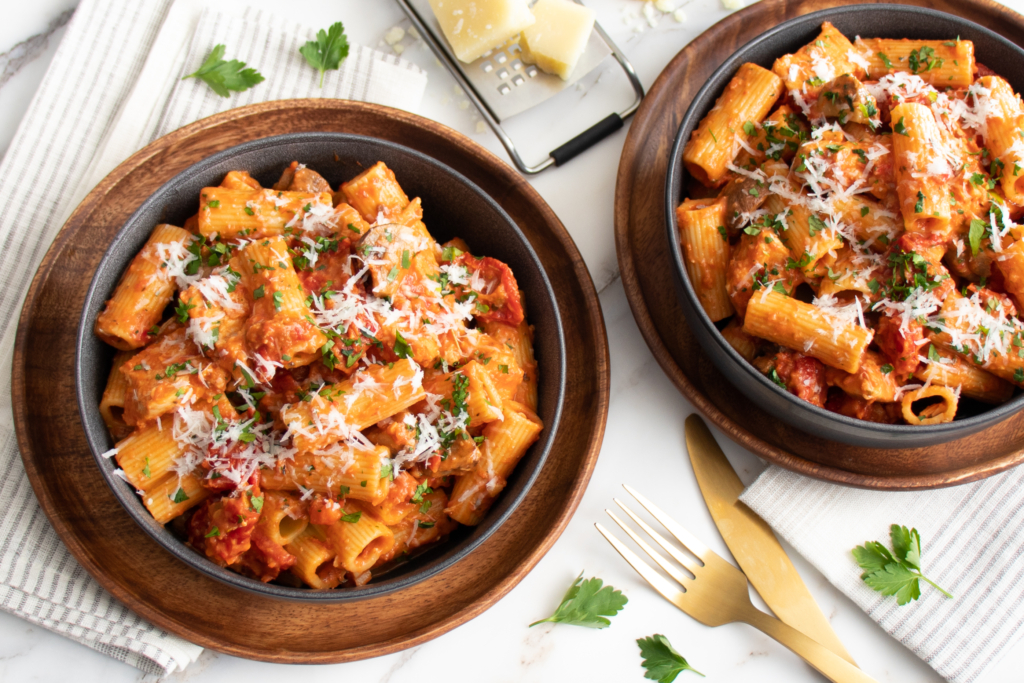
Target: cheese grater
column 501, row 85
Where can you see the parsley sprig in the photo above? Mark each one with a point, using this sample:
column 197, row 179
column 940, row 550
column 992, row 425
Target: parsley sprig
column 223, row 76
column 899, row 572
column 587, row 603
column 328, row 50
column 661, row 660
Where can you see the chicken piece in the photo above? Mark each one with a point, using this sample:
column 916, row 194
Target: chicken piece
column 873, row 381
column 799, row 374
column 758, row 260
column 856, row 407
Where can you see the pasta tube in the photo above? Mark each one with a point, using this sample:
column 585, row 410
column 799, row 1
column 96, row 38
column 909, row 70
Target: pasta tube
column 145, row 289
column 922, row 170
column 942, row 63
column 1004, row 128
column 358, row 539
column 706, row 251
column 937, row 413
column 359, row 473
column 332, row 413
column 749, row 97
column 504, row 444
column 256, row 214
column 375, row 194
column 806, row 328
column 973, row 382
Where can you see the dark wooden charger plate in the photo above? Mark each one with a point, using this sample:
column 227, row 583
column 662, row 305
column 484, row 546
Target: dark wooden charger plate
column 134, row 568
column 640, row 239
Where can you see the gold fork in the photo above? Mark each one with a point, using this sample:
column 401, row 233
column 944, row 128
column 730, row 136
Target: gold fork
column 716, row 592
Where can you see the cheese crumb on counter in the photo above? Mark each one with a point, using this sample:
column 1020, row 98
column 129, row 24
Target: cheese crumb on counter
column 473, row 27
column 394, row 35
column 558, row 38
column 733, row 4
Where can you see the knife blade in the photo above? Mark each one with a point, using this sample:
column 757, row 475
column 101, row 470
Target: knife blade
column 752, row 542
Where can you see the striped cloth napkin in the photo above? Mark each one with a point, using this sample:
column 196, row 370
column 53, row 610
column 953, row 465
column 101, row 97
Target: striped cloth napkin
column 95, row 107
column 972, row 545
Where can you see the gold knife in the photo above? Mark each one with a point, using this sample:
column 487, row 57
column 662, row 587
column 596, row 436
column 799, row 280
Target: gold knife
column 759, row 553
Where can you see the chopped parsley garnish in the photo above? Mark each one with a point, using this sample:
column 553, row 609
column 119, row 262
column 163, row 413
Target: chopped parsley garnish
column 421, row 491
column 975, row 234
column 815, row 225
column 402, row 348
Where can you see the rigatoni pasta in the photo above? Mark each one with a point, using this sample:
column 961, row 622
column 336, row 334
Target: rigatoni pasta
column 325, row 374
column 868, row 247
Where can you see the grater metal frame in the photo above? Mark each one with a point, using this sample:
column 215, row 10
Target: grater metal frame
column 560, row 155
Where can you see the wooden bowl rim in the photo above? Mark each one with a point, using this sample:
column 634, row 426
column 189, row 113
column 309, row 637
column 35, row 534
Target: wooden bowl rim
column 768, row 14
column 189, row 632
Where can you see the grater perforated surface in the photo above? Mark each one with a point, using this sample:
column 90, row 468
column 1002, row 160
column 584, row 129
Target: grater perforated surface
column 506, row 85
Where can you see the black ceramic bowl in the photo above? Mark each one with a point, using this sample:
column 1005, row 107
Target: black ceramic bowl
column 869, row 21
column 452, row 206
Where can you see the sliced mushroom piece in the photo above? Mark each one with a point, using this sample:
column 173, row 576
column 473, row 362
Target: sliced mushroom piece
column 846, row 99
column 743, row 196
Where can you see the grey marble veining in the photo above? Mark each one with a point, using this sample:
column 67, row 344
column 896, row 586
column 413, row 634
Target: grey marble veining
column 12, row 61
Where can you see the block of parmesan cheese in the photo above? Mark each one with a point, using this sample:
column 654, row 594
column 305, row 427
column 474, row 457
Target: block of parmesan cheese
column 473, row 27
column 558, row 37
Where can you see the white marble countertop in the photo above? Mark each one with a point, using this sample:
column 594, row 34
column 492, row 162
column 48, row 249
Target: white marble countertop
column 497, row 646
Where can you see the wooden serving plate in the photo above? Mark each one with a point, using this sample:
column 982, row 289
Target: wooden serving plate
column 640, row 239
column 134, row 568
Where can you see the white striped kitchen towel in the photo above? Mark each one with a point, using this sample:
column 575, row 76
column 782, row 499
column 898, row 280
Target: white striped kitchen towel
column 972, row 545
column 95, row 107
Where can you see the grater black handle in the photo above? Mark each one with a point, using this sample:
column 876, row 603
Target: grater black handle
column 587, row 139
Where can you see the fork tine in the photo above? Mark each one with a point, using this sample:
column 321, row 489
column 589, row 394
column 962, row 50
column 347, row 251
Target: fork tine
column 654, row 554
column 656, row 580
column 688, row 540
column 682, row 559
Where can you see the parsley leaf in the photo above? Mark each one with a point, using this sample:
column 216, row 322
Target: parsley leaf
column 328, row 50
column 352, row 517
column 899, row 572
column 402, row 348
column 975, row 234
column 895, row 579
column 815, row 225
column 661, row 660
column 223, row 76
column 585, row 603
column 421, row 491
